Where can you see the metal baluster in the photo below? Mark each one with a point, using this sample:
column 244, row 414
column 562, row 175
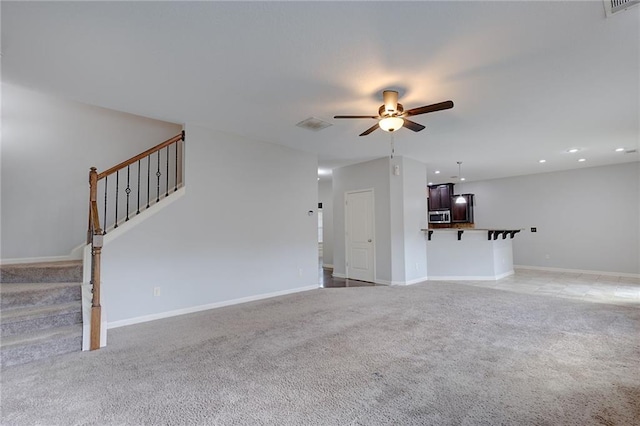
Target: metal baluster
column 148, row 178
column 175, row 188
column 138, row 211
column 104, row 226
column 116, row 213
column 128, row 191
column 158, row 174
column 167, row 184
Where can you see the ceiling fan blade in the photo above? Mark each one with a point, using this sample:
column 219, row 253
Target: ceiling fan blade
column 369, row 130
column 412, row 125
column 429, row 108
column 355, row 116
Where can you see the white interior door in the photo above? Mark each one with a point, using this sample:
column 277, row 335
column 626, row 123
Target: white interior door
column 360, row 236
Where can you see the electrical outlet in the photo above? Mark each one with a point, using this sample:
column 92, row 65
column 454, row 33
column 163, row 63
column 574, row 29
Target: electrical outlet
column 299, row 272
column 546, row 256
column 156, row 291
column 417, row 266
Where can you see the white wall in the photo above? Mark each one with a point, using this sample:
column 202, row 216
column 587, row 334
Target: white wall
column 325, row 196
column 48, row 146
column 241, row 230
column 587, row 219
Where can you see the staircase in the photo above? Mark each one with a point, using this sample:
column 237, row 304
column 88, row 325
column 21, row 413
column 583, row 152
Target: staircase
column 41, row 311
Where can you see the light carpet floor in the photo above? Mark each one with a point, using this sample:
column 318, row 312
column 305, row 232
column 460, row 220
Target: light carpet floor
column 429, row 354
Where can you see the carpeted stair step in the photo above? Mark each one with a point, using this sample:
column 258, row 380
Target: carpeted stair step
column 38, row 294
column 49, row 272
column 40, row 310
column 28, row 320
column 41, row 344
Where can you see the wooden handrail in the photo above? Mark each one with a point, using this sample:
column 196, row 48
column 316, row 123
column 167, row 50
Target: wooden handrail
column 140, row 156
column 95, row 219
column 93, row 195
column 95, row 231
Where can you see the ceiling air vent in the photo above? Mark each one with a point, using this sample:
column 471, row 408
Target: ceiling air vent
column 314, row 124
column 615, row 6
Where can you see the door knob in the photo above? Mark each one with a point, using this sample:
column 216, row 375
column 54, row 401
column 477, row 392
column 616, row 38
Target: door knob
column 369, row 240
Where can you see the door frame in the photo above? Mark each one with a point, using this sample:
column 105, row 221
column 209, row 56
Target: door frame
column 346, row 229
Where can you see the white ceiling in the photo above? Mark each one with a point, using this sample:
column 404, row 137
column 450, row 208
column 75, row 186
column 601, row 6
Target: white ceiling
column 529, row 79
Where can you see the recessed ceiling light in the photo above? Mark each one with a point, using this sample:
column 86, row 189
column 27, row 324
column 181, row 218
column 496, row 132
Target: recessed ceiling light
column 324, row 172
column 582, row 159
column 462, row 179
column 542, row 161
column 437, row 172
column 619, row 149
column 572, row 150
column 430, row 183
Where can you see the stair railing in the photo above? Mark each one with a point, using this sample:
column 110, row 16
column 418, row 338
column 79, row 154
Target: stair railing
column 168, row 177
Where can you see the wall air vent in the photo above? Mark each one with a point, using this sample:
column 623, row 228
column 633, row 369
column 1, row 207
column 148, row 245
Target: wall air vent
column 314, row 124
column 615, row 6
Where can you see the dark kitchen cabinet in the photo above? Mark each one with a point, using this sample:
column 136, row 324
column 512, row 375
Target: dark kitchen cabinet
column 462, row 212
column 440, row 196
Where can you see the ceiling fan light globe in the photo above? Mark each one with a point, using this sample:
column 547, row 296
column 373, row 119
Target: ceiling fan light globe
column 391, row 124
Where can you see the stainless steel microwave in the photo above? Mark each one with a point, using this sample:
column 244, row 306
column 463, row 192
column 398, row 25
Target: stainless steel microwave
column 440, row 216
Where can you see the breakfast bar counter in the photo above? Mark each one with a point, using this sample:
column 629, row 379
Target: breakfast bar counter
column 469, row 254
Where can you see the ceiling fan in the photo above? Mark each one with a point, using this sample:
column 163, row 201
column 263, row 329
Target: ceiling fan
column 392, row 116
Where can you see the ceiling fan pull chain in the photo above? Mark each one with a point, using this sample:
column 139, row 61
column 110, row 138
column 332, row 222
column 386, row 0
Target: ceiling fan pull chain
column 393, row 146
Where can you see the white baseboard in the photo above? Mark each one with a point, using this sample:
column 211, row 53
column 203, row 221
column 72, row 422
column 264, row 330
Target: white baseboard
column 43, row 259
column 416, row 281
column 472, row 277
column 578, row 271
column 385, row 282
column 410, row 282
column 193, row 309
column 327, row 265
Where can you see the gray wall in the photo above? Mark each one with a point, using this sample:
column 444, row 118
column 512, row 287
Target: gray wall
column 371, row 174
column 241, row 230
column 325, row 196
column 400, row 212
column 587, row 219
column 48, row 145
column 414, row 197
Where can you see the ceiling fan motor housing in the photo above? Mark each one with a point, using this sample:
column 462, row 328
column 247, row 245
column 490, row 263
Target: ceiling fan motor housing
column 390, row 98
column 383, row 112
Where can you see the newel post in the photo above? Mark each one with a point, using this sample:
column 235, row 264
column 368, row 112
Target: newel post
column 95, row 238
column 96, row 309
